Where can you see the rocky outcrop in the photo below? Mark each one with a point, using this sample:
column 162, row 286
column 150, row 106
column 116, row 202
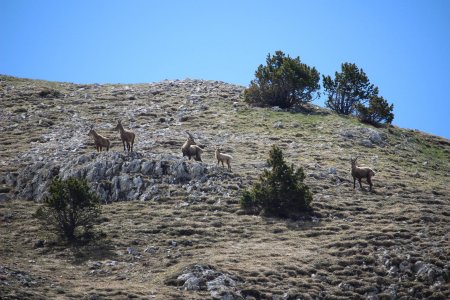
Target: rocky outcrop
column 207, row 278
column 367, row 137
column 52, row 122
column 404, row 267
column 114, row 176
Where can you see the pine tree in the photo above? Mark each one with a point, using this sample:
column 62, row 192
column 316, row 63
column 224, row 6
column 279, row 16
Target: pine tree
column 280, row 191
column 379, row 111
column 349, row 88
column 283, row 82
column 70, row 210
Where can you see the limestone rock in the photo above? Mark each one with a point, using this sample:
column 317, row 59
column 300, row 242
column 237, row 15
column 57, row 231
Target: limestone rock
column 114, row 176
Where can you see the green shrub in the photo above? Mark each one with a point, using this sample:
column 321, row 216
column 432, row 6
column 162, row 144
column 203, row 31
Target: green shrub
column 379, row 111
column 283, row 82
column 49, row 93
column 280, row 192
column 70, row 210
column 348, row 88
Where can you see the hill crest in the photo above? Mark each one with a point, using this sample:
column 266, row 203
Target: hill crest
column 393, row 241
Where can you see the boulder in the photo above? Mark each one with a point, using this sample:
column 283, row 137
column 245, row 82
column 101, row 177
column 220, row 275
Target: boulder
column 368, row 137
column 207, row 278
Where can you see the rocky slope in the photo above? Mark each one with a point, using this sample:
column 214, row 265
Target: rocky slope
column 174, row 228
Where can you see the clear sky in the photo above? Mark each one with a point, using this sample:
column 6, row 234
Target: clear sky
column 402, row 45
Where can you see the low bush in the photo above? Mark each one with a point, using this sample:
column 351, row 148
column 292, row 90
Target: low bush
column 70, row 210
column 280, row 191
column 49, row 93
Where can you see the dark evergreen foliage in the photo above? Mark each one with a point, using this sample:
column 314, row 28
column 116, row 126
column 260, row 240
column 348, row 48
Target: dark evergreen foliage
column 280, row 192
column 283, row 82
column 379, row 111
column 349, row 88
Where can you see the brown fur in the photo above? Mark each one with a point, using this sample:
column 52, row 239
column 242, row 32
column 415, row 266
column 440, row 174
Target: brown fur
column 127, row 136
column 361, row 172
column 191, row 149
column 223, row 158
column 99, row 141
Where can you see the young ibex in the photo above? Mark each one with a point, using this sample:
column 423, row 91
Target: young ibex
column 126, row 136
column 223, row 158
column 361, row 172
column 191, row 149
column 99, row 141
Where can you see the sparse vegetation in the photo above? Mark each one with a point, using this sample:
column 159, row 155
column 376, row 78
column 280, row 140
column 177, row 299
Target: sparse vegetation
column 70, row 210
column 283, row 82
column 280, row 192
column 356, row 245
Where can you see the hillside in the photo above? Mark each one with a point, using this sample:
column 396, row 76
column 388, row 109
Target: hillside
column 174, row 228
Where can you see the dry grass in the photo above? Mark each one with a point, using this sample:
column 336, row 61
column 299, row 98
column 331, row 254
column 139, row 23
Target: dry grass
column 338, row 254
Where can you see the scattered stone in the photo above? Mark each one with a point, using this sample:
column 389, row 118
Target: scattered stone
column 94, row 265
column 405, row 266
column 393, row 271
column 392, row 290
column 375, row 137
column 419, row 265
column 64, row 150
column 366, row 143
column 132, row 251
column 10, row 276
column 346, row 286
column 151, row 250
column 5, row 197
column 206, row 278
column 278, row 125
column 367, row 137
column 94, row 296
column 276, row 108
column 182, row 117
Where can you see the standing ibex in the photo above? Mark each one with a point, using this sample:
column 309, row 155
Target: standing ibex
column 361, row 172
column 221, row 157
column 126, row 136
column 99, row 141
column 191, row 149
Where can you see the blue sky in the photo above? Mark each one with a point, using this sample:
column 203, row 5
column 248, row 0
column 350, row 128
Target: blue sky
column 403, row 46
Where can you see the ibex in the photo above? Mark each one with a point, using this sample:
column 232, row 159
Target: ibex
column 99, row 141
column 126, row 136
column 223, row 158
column 191, row 149
column 361, row 172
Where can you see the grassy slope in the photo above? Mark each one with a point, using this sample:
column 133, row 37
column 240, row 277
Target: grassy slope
column 406, row 215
